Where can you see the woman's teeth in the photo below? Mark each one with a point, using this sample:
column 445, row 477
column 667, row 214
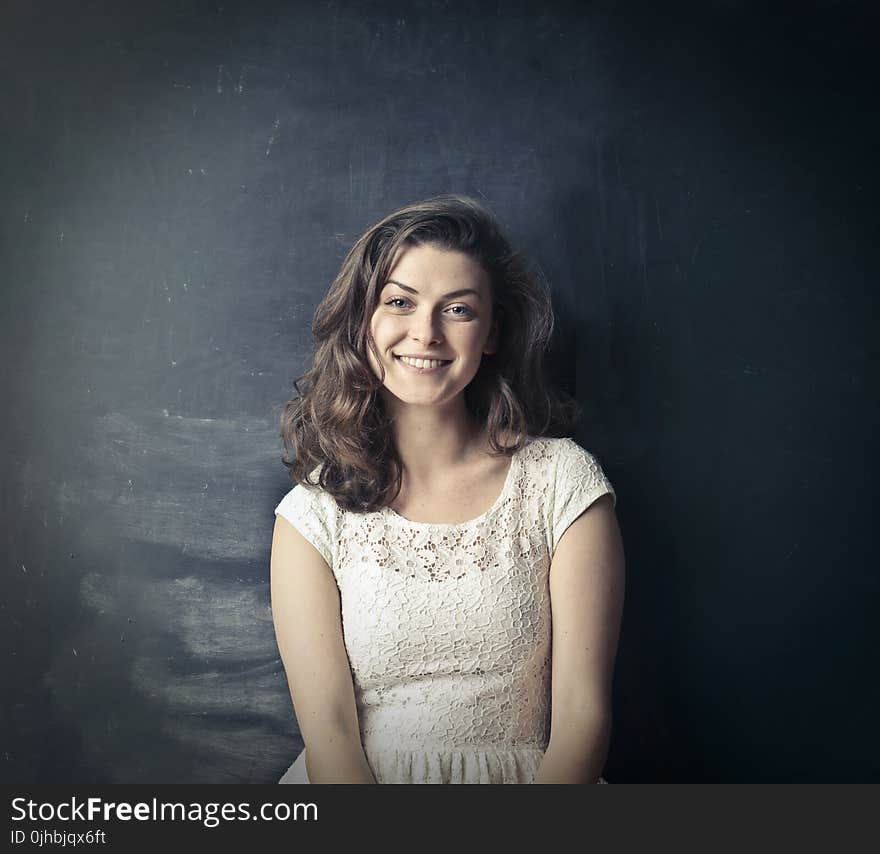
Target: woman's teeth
column 421, row 363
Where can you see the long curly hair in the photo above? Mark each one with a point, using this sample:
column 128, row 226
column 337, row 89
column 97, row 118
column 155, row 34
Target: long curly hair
column 338, row 420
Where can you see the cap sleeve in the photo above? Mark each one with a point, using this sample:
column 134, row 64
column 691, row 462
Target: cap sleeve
column 579, row 482
column 308, row 511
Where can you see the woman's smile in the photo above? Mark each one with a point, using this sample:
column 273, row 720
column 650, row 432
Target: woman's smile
column 421, row 366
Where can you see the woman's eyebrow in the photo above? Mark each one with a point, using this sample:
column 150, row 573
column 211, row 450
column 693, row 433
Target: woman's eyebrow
column 458, row 293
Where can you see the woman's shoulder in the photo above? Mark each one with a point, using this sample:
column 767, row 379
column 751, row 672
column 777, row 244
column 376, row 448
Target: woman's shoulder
column 565, row 460
column 579, row 472
column 308, row 494
column 311, row 511
column 556, row 447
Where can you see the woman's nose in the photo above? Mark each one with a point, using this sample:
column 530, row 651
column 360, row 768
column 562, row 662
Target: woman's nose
column 425, row 328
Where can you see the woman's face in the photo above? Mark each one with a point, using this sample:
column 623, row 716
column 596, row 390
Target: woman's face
column 436, row 304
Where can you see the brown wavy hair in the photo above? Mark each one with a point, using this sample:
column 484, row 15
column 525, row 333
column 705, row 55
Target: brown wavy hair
column 338, row 420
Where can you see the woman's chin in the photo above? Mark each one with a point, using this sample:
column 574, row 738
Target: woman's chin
column 408, row 397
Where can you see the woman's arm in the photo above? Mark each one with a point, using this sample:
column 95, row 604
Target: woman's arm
column 587, row 580
column 308, row 628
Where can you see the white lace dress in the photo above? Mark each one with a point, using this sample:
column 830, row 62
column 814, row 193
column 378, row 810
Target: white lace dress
column 447, row 626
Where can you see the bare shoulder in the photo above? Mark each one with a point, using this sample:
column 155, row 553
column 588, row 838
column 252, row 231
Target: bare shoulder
column 303, row 589
column 603, row 505
column 292, row 551
column 596, row 532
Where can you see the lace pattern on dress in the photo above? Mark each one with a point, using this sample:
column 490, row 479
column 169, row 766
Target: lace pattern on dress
column 447, row 626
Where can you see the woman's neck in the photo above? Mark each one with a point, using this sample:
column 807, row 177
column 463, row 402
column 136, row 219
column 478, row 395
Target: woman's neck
column 433, row 444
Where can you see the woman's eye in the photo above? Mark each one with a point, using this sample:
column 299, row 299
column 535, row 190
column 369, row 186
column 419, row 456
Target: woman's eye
column 466, row 310
column 459, row 310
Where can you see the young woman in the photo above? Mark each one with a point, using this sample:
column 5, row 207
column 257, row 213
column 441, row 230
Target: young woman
column 447, row 577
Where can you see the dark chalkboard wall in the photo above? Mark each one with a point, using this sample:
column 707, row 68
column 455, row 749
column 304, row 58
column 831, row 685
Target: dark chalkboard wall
column 180, row 183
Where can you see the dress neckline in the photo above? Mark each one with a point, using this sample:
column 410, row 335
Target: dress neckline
column 508, row 484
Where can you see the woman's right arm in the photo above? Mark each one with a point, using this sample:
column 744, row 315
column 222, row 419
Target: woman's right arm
column 308, row 627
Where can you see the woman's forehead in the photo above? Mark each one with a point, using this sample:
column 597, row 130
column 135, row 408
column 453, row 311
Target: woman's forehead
column 433, row 268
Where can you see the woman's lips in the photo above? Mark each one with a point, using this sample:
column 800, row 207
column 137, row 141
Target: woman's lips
column 415, row 370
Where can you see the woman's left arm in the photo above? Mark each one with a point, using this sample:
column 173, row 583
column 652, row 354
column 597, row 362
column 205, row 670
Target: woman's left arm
column 587, row 580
